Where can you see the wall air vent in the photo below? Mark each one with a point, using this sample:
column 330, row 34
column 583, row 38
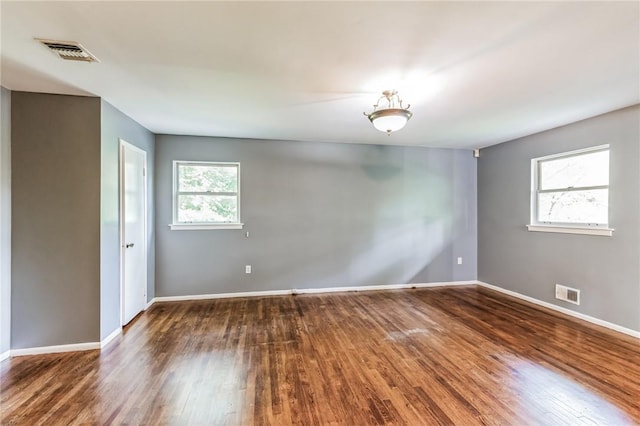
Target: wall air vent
column 568, row 294
column 69, row 50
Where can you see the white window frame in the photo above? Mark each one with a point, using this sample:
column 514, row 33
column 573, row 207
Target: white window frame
column 601, row 229
column 175, row 225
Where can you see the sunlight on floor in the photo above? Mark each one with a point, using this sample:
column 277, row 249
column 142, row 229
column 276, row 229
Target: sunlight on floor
column 543, row 390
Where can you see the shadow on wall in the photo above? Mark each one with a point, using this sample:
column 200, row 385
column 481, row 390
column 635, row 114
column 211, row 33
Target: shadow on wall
column 383, row 163
column 392, row 239
column 400, row 254
column 319, row 216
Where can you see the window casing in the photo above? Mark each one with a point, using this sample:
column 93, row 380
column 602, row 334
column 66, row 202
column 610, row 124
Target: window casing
column 570, row 192
column 206, row 195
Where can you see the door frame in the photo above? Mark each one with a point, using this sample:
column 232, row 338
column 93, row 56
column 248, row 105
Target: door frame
column 121, row 219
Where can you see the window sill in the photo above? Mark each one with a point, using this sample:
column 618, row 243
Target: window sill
column 583, row 230
column 204, row 226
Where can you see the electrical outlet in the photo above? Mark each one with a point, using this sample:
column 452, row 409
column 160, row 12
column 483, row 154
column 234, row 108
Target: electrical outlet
column 247, row 269
column 459, row 261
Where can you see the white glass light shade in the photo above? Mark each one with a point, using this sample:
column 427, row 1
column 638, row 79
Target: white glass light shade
column 390, row 120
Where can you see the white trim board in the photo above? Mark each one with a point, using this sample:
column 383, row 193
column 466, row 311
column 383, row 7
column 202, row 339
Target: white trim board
column 307, row 291
column 4, row 355
column 380, row 287
column 603, row 232
column 56, row 349
column 562, row 310
column 149, row 303
column 219, row 296
column 110, row 337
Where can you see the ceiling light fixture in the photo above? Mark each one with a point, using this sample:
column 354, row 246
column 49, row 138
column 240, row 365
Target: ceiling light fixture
column 388, row 113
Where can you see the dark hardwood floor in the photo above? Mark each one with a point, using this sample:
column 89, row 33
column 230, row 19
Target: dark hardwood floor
column 460, row 356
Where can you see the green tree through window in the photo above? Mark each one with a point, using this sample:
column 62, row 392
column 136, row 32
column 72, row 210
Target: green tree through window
column 206, row 193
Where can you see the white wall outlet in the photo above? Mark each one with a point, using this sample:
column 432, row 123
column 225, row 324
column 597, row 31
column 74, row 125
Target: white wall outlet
column 247, row 269
column 459, row 261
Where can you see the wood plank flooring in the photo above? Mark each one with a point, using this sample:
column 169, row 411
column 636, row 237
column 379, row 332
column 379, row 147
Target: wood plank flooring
column 461, row 356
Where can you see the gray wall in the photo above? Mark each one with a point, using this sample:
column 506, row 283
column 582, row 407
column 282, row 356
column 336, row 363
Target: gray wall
column 55, row 191
column 606, row 269
column 115, row 125
column 322, row 215
column 5, row 220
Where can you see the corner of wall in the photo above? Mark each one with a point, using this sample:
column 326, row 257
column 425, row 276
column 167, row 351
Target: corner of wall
column 605, row 269
column 5, row 221
column 116, row 126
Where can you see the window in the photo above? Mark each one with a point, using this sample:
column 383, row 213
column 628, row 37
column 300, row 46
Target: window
column 206, row 195
column 570, row 192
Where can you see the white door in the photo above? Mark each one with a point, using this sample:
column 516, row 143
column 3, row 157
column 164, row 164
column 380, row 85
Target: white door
column 133, row 163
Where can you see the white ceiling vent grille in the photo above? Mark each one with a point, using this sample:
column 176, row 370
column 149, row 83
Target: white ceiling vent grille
column 568, row 294
column 69, row 50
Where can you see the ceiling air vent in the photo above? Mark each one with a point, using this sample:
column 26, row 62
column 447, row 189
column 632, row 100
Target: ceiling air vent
column 69, row 50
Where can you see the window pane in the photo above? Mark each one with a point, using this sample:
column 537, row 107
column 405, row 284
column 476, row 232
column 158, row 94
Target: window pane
column 200, row 178
column 590, row 169
column 207, row 208
column 574, row 206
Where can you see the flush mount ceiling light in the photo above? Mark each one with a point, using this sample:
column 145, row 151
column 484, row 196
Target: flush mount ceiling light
column 388, row 113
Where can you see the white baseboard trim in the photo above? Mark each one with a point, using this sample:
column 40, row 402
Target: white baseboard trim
column 379, row 287
column 307, row 291
column 149, row 303
column 56, row 349
column 110, row 337
column 4, row 355
column 221, row 295
column 565, row 311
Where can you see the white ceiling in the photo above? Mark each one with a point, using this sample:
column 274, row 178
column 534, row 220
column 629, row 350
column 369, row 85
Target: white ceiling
column 475, row 73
